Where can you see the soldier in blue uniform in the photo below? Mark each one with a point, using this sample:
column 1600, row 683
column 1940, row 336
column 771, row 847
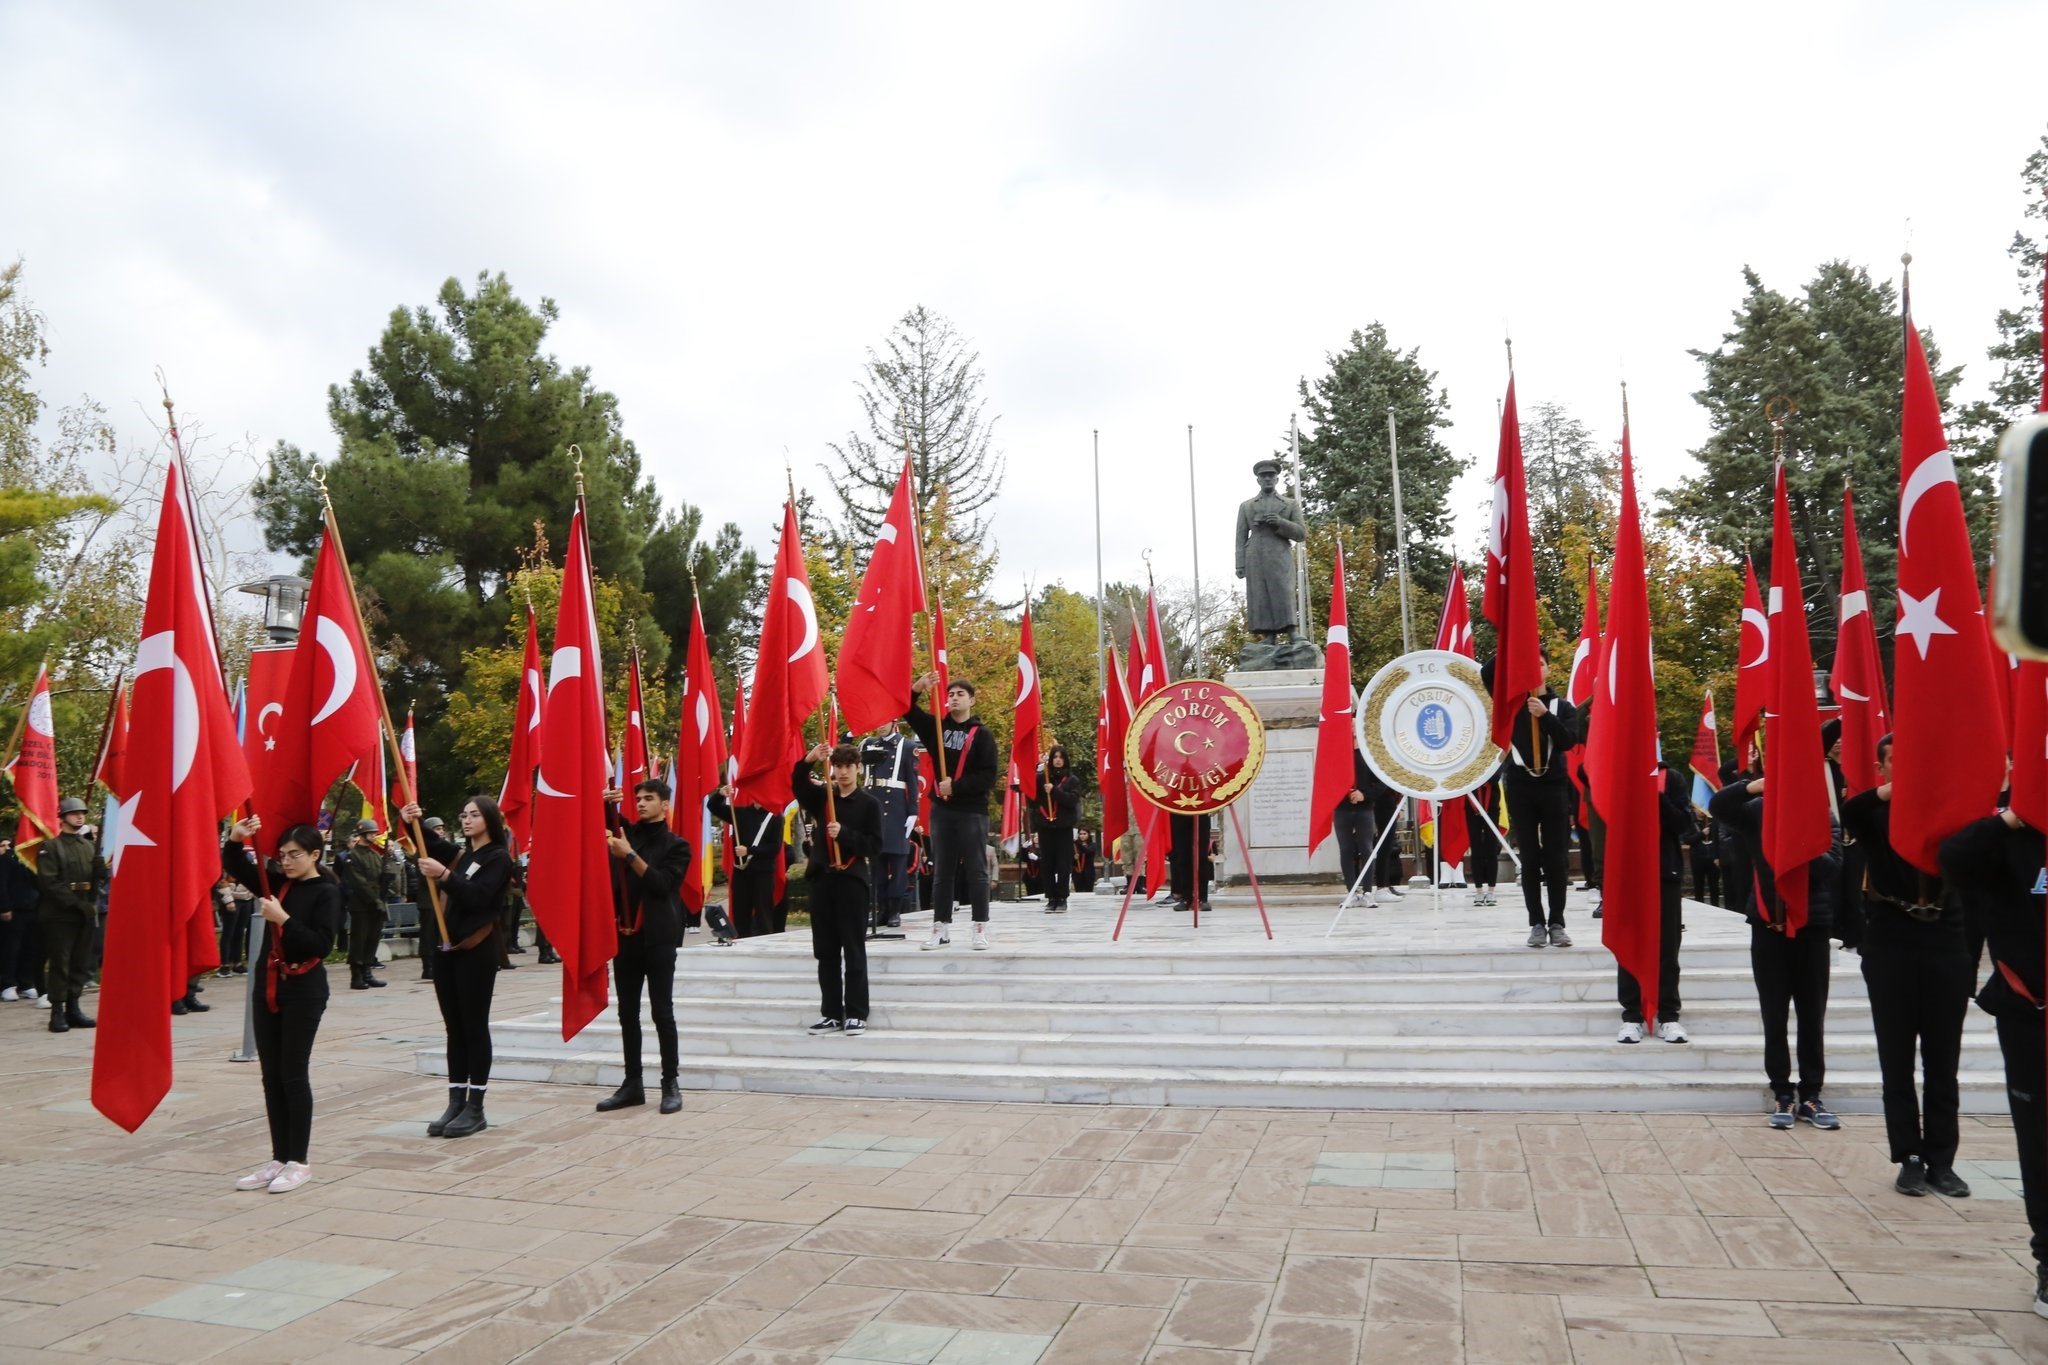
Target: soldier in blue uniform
column 888, row 757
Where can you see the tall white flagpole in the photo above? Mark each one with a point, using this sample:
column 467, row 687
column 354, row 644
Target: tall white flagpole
column 1301, row 547
column 1195, row 536
column 1400, row 534
column 1101, row 682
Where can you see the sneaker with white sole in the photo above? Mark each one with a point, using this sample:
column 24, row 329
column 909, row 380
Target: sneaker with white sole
column 1784, row 1116
column 1816, row 1112
column 10, row 994
column 856, row 1028
column 939, row 939
column 1671, row 1031
column 1630, row 1033
column 827, row 1025
column 980, row 938
column 42, row 1001
column 1539, row 936
column 1558, row 937
column 261, row 1177
column 294, row 1174
column 31, row 993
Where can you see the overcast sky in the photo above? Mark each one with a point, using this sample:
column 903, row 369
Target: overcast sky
column 1143, row 215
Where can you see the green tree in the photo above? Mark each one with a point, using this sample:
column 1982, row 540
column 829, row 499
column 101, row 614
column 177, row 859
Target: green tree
column 1344, row 457
column 1837, row 351
column 1572, row 498
column 455, row 441
column 2017, row 352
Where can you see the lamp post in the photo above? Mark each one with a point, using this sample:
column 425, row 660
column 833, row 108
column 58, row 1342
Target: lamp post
column 284, row 604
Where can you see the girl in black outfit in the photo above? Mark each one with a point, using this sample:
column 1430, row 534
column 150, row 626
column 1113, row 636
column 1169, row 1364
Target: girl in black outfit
column 476, row 879
column 1055, row 812
column 300, row 923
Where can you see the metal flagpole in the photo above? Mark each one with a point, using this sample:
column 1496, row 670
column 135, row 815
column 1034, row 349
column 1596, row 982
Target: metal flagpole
column 1400, row 533
column 1101, row 681
column 1195, row 537
column 1301, row 547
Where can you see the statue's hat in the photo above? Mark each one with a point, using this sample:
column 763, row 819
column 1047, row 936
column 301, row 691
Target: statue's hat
column 1262, row 466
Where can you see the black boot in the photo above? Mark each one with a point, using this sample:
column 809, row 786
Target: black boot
column 458, row 1095
column 625, row 1097
column 370, row 977
column 355, row 978
column 58, row 1023
column 471, row 1119
column 549, row 958
column 671, row 1097
column 178, row 1005
column 77, row 1017
column 195, row 1005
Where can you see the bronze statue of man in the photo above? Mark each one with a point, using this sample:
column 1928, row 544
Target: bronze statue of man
column 1268, row 528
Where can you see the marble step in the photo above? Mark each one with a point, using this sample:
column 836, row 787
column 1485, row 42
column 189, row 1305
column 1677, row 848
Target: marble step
column 1501, row 1053
column 1847, row 1016
column 1647, row 1091
column 1559, row 976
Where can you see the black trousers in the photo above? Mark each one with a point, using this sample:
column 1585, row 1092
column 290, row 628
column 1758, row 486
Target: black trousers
column 234, row 934
column 1484, row 858
column 284, row 1052
column 1792, row 974
column 16, row 967
column 1670, row 933
column 1387, row 869
column 1056, row 862
column 639, row 966
column 894, row 887
column 1190, row 833
column 1540, row 818
column 959, row 862
column 1592, row 844
column 1357, row 829
column 365, row 932
column 839, row 940
column 67, row 947
column 1919, row 978
column 753, row 897
column 2020, row 1038
column 1706, row 879
column 463, row 981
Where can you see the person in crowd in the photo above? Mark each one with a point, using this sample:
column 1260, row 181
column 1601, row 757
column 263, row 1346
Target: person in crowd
column 1790, row 969
column 1186, row 834
column 237, row 911
column 1054, row 814
column 889, row 759
column 1030, row 867
column 300, row 903
column 1849, row 898
column 1484, row 858
column 475, row 877
column 1995, row 865
column 1538, row 799
column 1706, row 859
column 1355, row 822
column 964, row 756
column 1917, row 967
column 1674, row 815
column 1085, row 854
column 1387, row 871
column 69, row 875
column 649, row 863
column 754, row 836
column 849, row 837
column 21, row 938
column 362, row 881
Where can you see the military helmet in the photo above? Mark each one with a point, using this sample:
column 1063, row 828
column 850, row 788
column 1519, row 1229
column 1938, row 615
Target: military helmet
column 71, row 805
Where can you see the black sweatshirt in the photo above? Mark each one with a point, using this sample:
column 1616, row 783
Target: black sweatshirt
column 651, row 895
column 1998, row 873
column 974, row 779
column 1741, row 817
column 860, row 825
column 1889, row 880
column 312, row 907
column 1061, row 795
column 1558, row 730
column 474, row 891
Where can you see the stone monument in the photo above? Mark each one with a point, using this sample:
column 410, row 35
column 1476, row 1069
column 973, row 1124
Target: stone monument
column 1269, row 526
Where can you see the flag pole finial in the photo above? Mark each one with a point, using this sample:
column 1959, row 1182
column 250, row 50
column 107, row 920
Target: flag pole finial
column 1776, row 410
column 1146, row 555
column 576, row 454
column 1624, row 404
column 1510, row 343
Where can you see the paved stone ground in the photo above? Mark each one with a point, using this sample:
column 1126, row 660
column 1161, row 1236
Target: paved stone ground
column 786, row 1231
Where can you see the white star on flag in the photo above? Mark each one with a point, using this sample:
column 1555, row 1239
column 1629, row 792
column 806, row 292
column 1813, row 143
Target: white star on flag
column 1920, row 618
column 125, row 832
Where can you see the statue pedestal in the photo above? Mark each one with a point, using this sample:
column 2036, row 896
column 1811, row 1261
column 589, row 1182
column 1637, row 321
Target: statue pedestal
column 1274, row 813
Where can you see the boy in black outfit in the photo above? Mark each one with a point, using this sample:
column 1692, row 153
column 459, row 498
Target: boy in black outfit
column 964, row 758
column 849, row 836
column 649, row 864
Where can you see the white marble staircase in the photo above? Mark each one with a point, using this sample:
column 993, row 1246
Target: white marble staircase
column 1415, row 1005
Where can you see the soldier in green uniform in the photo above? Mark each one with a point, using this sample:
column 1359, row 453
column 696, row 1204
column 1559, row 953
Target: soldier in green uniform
column 362, row 881
column 70, row 872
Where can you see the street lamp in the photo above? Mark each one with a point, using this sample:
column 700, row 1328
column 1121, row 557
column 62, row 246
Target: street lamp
column 284, row 604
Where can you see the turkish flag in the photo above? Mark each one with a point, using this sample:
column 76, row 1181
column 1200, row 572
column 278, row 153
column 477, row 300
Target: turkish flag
column 184, row 771
column 1948, row 748
column 569, row 878
column 270, row 673
column 1153, row 675
column 114, row 742
column 1027, row 715
column 1509, row 600
column 2030, row 690
column 789, row 678
column 1706, row 754
column 1621, row 762
column 941, row 664
column 331, row 715
column 1797, row 817
column 1858, row 674
column 515, row 797
column 1578, row 688
column 1752, row 651
column 875, row 655
column 700, row 760
column 33, row 769
column 1450, row 821
column 2010, row 672
column 409, row 751
column 1112, row 725
column 634, row 763
column 1335, row 740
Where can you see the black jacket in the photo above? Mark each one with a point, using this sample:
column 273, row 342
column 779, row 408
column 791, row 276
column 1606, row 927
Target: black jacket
column 1889, row 881
column 1997, row 873
column 1366, row 782
column 1061, row 797
column 860, row 826
column 974, row 772
column 474, row 891
column 755, row 835
column 18, row 890
column 1741, row 818
column 1675, row 828
column 1557, row 731
column 650, row 897
column 312, row 909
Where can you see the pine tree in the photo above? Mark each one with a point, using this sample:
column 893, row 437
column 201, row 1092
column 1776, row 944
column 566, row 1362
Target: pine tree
column 1572, row 499
column 2017, row 352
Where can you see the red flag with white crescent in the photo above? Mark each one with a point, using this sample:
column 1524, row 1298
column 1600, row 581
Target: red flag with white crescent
column 1451, row 821
column 569, row 878
column 515, row 797
column 33, row 768
column 114, row 742
column 1578, row 688
column 1948, row 749
column 1858, row 673
column 1112, row 724
column 1752, row 654
column 789, row 678
column 1510, row 597
column 1335, row 740
column 1027, row 714
column 699, row 768
column 1797, row 819
column 184, row 772
column 2030, row 686
column 1154, row 675
column 875, row 657
column 634, row 761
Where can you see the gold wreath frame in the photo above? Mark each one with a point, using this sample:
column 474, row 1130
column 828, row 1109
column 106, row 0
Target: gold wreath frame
column 1226, row 793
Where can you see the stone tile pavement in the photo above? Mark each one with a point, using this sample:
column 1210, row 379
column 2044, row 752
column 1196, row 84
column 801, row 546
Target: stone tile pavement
column 766, row 1230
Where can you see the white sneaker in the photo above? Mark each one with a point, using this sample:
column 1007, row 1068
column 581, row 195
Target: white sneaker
column 1671, row 1031
column 939, row 939
column 261, row 1177
column 293, row 1175
column 42, row 1001
column 980, row 938
column 10, row 994
column 1630, row 1033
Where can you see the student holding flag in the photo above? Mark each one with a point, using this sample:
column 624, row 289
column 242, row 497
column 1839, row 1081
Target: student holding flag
column 964, row 752
column 649, row 864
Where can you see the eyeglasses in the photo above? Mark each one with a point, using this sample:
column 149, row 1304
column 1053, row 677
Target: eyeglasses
column 284, row 853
